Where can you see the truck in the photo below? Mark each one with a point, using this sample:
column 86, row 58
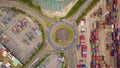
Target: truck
column 84, row 51
column 82, row 40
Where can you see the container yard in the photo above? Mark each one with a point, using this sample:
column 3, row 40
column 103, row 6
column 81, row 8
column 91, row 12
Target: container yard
column 103, row 40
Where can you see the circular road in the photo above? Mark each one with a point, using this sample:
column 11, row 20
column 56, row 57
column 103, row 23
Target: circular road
column 51, row 41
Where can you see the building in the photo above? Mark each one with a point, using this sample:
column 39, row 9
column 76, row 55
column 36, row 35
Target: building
column 56, row 7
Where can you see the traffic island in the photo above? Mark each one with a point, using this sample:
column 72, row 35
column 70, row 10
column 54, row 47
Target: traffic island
column 62, row 35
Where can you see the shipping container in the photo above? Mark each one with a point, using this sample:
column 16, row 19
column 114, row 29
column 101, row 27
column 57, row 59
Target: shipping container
column 93, row 63
column 115, row 2
column 114, row 53
column 79, row 66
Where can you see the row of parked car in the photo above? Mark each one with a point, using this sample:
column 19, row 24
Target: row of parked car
column 19, row 26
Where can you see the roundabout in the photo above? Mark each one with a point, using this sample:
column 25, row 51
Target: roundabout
column 61, row 35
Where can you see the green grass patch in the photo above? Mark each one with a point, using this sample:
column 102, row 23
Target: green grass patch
column 30, row 3
column 14, row 9
column 47, row 23
column 62, row 54
column 92, row 4
column 75, row 8
column 63, row 63
column 56, row 40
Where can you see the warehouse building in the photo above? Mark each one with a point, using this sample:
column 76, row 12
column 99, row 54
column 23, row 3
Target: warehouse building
column 56, row 7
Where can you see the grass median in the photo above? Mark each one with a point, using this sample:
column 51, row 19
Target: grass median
column 64, row 62
column 47, row 23
column 92, row 4
column 14, row 9
column 75, row 8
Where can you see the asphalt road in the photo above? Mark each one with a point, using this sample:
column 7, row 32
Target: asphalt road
column 71, row 58
column 68, row 50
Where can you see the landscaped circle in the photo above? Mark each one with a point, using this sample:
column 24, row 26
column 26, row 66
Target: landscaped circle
column 62, row 35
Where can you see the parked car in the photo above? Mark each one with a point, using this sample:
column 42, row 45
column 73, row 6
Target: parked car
column 78, row 47
column 83, row 30
column 84, row 66
column 81, row 66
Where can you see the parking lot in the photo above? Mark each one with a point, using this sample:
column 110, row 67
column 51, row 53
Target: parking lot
column 22, row 36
